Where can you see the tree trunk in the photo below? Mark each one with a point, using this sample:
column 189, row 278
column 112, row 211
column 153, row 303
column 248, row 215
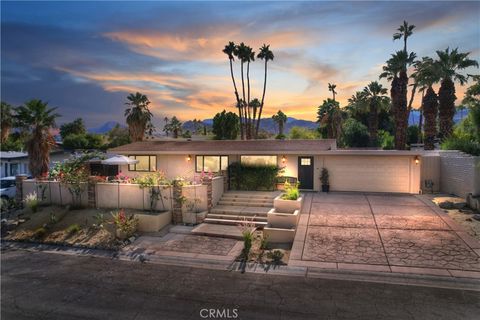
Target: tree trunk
column 5, row 131
column 237, row 97
column 430, row 108
column 263, row 99
column 373, row 124
column 446, row 98
column 280, row 128
column 243, row 102
column 249, row 116
column 400, row 112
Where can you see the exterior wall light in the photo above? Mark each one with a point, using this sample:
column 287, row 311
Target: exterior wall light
column 284, row 159
column 417, row 160
column 189, row 158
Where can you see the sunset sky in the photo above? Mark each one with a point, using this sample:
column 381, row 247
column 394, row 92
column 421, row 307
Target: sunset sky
column 84, row 58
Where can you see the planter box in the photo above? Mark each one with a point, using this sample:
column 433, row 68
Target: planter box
column 283, row 220
column 287, row 206
column 153, row 222
column 279, row 235
column 193, row 217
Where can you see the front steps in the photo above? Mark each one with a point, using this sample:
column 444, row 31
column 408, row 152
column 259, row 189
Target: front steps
column 236, row 207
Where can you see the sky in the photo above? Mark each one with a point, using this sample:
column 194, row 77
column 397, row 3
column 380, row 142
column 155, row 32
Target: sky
column 86, row 57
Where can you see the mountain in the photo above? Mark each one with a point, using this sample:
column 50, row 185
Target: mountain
column 104, row 128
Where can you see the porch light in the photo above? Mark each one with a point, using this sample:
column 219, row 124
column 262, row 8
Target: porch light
column 417, row 160
column 189, row 158
column 284, row 159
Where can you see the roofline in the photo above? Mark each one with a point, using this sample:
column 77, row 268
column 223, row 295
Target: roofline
column 302, row 152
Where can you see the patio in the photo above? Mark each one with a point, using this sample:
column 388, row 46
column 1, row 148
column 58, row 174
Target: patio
column 382, row 232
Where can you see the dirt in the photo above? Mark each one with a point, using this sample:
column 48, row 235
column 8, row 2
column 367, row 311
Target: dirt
column 263, row 255
column 464, row 217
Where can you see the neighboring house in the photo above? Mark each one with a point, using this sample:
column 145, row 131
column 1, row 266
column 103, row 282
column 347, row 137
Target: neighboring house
column 15, row 162
column 350, row 170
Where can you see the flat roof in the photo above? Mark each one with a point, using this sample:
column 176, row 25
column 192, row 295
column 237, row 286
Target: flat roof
column 12, row 154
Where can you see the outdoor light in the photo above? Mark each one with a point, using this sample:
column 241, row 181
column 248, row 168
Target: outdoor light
column 417, row 160
column 284, row 159
column 189, row 158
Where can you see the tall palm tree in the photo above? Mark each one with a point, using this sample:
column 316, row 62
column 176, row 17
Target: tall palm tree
column 230, row 50
column 331, row 87
column 330, row 118
column 7, row 120
column 280, row 119
column 426, row 75
column 37, row 119
column 404, row 31
column 249, row 57
column 175, row 127
column 266, row 55
column 375, row 97
column 449, row 62
column 138, row 116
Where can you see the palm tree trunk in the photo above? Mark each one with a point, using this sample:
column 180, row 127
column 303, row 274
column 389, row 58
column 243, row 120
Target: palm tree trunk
column 399, row 92
column 237, row 97
column 446, row 98
column 373, row 125
column 5, row 131
column 249, row 116
column 430, row 109
column 280, row 128
column 243, row 102
column 263, row 99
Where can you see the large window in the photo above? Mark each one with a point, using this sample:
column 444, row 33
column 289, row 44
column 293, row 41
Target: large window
column 211, row 163
column 145, row 163
column 259, row 160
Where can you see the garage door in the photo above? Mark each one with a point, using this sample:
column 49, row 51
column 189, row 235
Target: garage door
column 369, row 173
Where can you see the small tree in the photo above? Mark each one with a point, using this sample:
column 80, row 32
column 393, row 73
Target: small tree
column 225, row 126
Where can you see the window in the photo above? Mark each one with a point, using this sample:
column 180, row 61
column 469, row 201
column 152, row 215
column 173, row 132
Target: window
column 259, row 160
column 14, row 169
column 305, row 161
column 211, row 163
column 145, row 163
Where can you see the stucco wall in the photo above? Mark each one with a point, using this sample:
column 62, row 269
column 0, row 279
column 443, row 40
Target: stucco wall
column 459, row 173
column 55, row 192
column 198, row 192
column 217, row 189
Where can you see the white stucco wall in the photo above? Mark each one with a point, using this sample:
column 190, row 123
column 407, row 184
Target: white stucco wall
column 459, row 173
column 217, row 189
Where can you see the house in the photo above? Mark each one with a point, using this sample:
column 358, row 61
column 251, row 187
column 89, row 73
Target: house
column 350, row 170
column 16, row 162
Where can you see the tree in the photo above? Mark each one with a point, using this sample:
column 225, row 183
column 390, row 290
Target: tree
column 330, row 118
column 302, row 133
column 37, row 119
column 354, row 134
column 472, row 101
column 449, row 63
column 331, row 88
column 174, row 126
column 404, row 31
column 280, row 119
column 7, row 120
column 165, row 125
column 374, row 95
column 265, row 54
column 75, row 127
column 225, row 126
column 139, row 117
column 118, row 136
column 230, row 51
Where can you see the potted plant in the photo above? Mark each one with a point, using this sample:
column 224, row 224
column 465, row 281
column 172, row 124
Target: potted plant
column 290, row 200
column 324, row 178
column 125, row 225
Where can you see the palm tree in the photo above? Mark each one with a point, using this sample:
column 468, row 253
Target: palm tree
column 280, row 119
column 330, row 118
column 374, row 95
column 165, row 129
column 249, row 57
column 404, row 31
column 139, row 117
column 449, row 63
column 265, row 54
column 175, row 127
column 331, row 87
column 230, row 50
column 426, row 75
column 37, row 119
column 7, row 120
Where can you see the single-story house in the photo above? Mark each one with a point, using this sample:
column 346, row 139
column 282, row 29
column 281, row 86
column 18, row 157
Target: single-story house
column 16, row 162
column 349, row 170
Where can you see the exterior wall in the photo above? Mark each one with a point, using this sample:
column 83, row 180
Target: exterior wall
column 217, row 189
column 430, row 170
column 196, row 192
column 55, row 192
column 459, row 173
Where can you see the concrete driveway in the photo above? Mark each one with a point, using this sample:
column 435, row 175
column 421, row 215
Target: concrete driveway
column 382, row 232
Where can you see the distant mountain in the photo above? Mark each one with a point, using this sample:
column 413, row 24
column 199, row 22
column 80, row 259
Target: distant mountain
column 415, row 116
column 104, row 128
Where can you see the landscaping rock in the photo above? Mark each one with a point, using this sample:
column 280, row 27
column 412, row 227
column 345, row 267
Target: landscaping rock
column 476, row 217
column 450, row 202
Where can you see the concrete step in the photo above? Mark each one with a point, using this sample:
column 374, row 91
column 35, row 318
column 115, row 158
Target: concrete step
column 251, row 194
column 218, row 230
column 239, row 210
column 240, row 218
column 258, row 224
column 245, row 203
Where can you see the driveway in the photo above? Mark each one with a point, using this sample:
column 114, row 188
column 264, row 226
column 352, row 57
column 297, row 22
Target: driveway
column 382, row 232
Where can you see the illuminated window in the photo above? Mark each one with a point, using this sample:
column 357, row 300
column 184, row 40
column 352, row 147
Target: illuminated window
column 305, row 161
column 211, row 163
column 145, row 163
column 259, row 160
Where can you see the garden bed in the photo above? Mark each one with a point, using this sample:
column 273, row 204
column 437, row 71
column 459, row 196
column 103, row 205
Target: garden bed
column 264, row 255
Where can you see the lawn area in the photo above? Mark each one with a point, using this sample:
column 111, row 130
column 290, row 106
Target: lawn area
column 92, row 228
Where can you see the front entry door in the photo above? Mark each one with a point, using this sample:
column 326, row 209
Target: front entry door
column 305, row 172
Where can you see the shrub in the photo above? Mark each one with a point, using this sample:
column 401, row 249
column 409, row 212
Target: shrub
column 247, row 227
column 73, row 228
column 264, row 243
column 386, row 140
column 324, row 177
column 355, row 134
column 39, row 233
column 253, row 177
column 276, row 256
column 125, row 223
column 413, row 133
column 302, row 133
column 291, row 191
column 99, row 220
column 31, row 201
column 463, row 144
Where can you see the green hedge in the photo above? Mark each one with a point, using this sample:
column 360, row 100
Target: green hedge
column 252, row 177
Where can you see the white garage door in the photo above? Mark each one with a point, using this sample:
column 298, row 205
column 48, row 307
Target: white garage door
column 369, row 173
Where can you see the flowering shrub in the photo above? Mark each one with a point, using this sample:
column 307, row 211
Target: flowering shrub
column 31, row 201
column 120, row 177
column 125, row 223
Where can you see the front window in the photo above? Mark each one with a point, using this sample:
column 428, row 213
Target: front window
column 259, row 160
column 13, row 169
column 145, row 163
column 211, row 163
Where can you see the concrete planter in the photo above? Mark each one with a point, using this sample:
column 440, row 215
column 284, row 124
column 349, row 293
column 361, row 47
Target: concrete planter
column 201, row 216
column 287, row 206
column 279, row 235
column 120, row 234
column 154, row 221
column 283, row 220
column 193, row 217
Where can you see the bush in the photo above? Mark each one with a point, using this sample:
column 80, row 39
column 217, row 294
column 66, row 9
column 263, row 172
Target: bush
column 462, row 144
column 355, row 134
column 31, row 201
column 73, row 228
column 324, row 177
column 253, row 177
column 413, row 133
column 291, row 191
column 125, row 223
column 39, row 233
column 276, row 256
column 302, row 133
column 386, row 140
